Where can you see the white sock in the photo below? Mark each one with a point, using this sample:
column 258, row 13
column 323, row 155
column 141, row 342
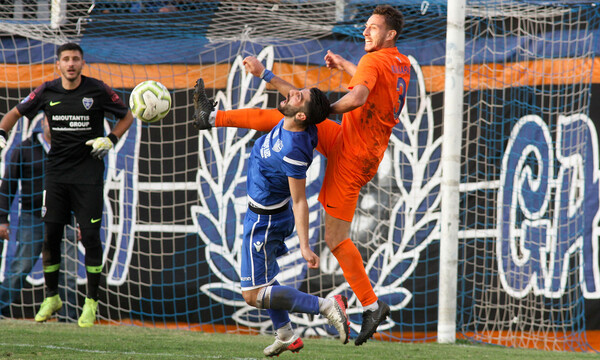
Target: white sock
column 325, row 305
column 374, row 306
column 212, row 118
column 285, row 332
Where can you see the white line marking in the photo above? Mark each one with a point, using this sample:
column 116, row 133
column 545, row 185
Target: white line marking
column 53, row 347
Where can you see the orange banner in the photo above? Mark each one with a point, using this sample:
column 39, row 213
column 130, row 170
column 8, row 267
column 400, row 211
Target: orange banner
column 477, row 77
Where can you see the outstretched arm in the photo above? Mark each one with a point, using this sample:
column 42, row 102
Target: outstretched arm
column 334, row 61
column 357, row 96
column 257, row 69
column 257, row 119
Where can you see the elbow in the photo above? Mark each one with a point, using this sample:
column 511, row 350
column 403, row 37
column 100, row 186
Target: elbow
column 358, row 102
column 339, row 108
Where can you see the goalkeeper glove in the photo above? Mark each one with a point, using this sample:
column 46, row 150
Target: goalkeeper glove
column 3, row 137
column 101, row 145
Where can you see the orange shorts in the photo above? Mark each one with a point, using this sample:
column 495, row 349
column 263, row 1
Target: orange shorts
column 342, row 182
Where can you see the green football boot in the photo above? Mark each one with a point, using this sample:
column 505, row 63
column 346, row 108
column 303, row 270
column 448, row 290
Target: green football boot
column 49, row 306
column 88, row 315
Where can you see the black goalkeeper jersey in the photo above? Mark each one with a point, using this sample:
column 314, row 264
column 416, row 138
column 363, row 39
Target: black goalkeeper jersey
column 74, row 116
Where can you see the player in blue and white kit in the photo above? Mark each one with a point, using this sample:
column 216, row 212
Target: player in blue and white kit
column 277, row 179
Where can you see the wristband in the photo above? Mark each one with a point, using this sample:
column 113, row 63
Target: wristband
column 3, row 133
column 113, row 138
column 267, row 75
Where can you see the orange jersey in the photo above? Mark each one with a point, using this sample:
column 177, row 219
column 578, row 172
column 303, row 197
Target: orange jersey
column 367, row 129
column 355, row 148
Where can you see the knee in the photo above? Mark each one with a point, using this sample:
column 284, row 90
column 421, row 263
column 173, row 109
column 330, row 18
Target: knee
column 54, row 233
column 336, row 231
column 333, row 240
column 90, row 238
column 250, row 297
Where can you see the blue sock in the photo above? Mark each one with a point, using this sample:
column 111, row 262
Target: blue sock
column 288, row 298
column 278, row 317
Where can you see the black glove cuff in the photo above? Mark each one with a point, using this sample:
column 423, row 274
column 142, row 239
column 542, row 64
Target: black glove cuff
column 111, row 136
column 3, row 133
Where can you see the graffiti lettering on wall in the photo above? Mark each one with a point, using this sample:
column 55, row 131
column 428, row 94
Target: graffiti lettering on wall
column 548, row 208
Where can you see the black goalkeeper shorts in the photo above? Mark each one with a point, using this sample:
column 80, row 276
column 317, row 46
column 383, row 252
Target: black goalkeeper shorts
column 85, row 200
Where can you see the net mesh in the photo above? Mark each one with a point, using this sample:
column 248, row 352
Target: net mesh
column 527, row 118
column 175, row 197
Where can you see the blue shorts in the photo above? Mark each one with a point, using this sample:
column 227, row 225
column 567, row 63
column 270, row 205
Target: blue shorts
column 264, row 237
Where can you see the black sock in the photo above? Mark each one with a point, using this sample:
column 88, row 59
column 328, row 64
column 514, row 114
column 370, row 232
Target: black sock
column 51, row 279
column 93, row 282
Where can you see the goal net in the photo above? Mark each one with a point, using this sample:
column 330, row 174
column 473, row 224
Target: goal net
column 175, row 197
column 529, row 194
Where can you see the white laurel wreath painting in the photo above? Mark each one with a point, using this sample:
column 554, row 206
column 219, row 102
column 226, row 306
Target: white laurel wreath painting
column 412, row 160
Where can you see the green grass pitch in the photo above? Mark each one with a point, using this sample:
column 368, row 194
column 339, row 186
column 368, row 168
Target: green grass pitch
column 25, row 339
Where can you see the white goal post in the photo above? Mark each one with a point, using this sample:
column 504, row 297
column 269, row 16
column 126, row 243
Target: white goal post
column 451, row 146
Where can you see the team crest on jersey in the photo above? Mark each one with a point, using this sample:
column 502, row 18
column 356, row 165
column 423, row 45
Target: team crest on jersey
column 87, row 103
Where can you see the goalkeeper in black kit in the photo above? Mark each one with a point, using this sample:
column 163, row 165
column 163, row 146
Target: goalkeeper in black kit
column 75, row 106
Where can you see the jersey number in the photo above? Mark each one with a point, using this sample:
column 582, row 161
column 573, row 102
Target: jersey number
column 401, row 88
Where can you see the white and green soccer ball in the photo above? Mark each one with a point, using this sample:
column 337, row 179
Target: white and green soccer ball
column 150, row 101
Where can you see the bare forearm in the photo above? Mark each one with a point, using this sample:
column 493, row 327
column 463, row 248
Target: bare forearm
column 348, row 67
column 282, row 86
column 10, row 119
column 301, row 218
column 334, row 61
column 256, row 68
column 355, row 98
column 122, row 125
column 344, row 105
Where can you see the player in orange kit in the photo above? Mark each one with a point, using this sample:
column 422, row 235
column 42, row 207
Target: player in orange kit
column 353, row 148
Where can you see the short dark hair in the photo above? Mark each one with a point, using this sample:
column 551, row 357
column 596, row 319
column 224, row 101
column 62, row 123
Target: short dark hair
column 393, row 17
column 317, row 108
column 68, row 46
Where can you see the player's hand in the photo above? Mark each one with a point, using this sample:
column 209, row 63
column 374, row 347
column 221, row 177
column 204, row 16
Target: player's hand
column 100, row 146
column 311, row 258
column 4, row 232
column 253, row 66
column 334, row 61
column 3, row 137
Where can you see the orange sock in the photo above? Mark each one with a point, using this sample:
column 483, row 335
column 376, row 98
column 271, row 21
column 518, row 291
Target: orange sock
column 351, row 263
column 257, row 119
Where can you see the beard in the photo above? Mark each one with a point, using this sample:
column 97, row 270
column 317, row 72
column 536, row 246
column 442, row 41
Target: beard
column 288, row 110
column 72, row 77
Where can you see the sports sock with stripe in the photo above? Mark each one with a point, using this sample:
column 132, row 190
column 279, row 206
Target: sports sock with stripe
column 51, row 274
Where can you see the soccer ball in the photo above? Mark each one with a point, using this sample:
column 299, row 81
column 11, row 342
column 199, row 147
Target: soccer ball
column 150, row 101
